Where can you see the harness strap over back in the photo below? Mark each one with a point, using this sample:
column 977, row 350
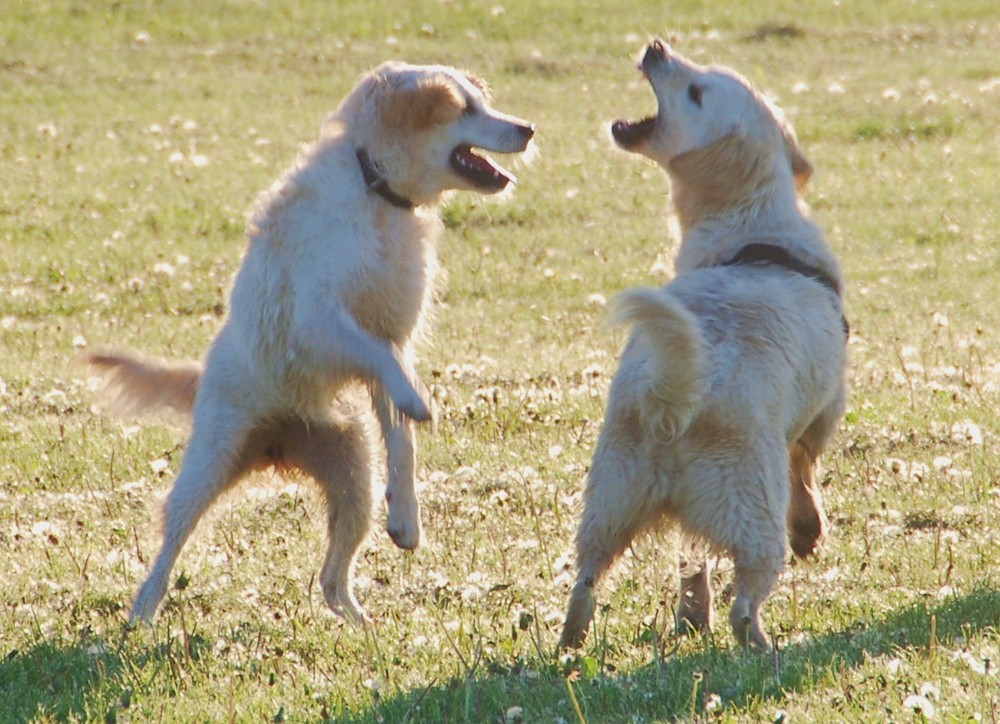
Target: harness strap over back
column 761, row 253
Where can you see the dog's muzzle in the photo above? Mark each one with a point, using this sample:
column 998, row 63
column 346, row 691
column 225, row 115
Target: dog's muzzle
column 657, row 52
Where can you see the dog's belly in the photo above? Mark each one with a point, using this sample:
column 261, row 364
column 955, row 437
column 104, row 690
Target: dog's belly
column 274, row 444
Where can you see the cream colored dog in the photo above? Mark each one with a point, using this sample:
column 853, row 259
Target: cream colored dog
column 732, row 381
column 333, row 289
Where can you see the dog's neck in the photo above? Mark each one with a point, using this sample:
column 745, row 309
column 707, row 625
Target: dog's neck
column 730, row 182
column 728, row 195
column 378, row 184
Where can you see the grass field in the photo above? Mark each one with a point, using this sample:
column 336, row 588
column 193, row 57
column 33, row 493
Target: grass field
column 134, row 136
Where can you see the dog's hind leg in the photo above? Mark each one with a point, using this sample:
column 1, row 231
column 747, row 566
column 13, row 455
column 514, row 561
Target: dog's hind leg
column 213, row 461
column 616, row 509
column 403, row 524
column 694, row 608
column 757, row 531
column 337, row 455
column 807, row 522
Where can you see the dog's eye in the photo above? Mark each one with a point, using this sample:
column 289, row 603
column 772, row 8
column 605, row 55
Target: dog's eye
column 469, row 109
column 694, row 93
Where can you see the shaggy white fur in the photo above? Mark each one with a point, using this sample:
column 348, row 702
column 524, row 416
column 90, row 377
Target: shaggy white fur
column 732, row 381
column 333, row 290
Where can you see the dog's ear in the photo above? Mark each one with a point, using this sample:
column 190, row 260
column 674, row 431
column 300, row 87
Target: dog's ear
column 802, row 170
column 438, row 101
column 480, row 85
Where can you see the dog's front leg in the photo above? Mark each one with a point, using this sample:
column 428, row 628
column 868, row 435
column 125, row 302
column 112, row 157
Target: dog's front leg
column 336, row 341
column 401, row 498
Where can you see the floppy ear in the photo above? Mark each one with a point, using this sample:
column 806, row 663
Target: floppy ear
column 479, row 83
column 802, row 170
column 437, row 101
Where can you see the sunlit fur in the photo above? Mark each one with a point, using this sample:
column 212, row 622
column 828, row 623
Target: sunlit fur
column 732, row 381
column 332, row 294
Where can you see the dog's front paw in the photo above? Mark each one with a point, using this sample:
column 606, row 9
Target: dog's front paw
column 694, row 609
column 407, row 539
column 807, row 529
column 693, row 619
column 403, row 525
column 806, row 536
column 411, row 400
column 415, row 408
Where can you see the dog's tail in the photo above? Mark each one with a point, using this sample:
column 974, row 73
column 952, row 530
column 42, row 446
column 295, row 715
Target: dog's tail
column 135, row 385
column 671, row 385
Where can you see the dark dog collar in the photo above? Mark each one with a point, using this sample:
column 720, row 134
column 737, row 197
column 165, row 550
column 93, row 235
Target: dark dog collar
column 760, row 253
column 378, row 184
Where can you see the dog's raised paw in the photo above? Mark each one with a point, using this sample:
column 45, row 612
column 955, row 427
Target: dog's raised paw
column 413, row 406
column 403, row 527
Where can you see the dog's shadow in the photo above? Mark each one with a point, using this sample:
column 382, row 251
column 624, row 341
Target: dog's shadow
column 691, row 685
column 53, row 681
column 86, row 681
column 71, row 681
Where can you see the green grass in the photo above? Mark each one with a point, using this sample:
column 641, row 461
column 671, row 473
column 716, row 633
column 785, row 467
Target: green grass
column 133, row 137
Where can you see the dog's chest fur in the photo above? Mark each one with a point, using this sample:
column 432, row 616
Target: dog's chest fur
column 391, row 294
column 318, row 250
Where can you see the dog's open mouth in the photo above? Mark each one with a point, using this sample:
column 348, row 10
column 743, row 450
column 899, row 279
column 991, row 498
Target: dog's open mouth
column 628, row 134
column 485, row 174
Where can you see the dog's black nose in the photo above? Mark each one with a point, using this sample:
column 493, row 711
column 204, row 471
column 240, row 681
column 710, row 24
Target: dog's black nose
column 657, row 50
column 526, row 131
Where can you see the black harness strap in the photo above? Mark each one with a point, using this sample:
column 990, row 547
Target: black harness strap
column 759, row 253
column 378, row 184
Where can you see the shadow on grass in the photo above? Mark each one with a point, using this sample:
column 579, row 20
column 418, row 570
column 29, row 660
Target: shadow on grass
column 84, row 681
column 87, row 682
column 677, row 686
column 54, row 682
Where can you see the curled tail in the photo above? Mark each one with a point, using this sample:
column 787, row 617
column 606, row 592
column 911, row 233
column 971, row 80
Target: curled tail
column 134, row 385
column 666, row 334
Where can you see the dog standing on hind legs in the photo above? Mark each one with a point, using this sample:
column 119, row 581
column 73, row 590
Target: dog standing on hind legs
column 332, row 292
column 732, row 380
